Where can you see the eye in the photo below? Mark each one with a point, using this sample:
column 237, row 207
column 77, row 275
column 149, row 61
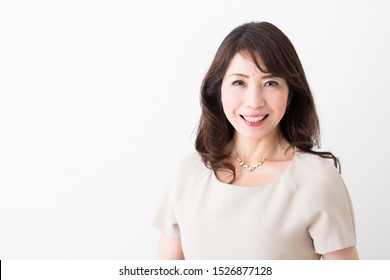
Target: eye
column 271, row 84
column 238, row 83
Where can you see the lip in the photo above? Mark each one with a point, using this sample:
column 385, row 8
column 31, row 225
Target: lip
column 254, row 115
column 254, row 124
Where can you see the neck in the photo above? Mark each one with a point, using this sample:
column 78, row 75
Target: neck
column 251, row 150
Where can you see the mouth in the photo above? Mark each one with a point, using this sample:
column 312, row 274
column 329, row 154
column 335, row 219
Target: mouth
column 254, row 119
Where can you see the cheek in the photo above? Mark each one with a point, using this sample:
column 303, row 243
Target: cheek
column 279, row 101
column 229, row 104
column 230, row 97
column 282, row 104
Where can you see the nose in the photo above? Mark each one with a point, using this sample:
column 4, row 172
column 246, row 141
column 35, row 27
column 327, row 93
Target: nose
column 254, row 98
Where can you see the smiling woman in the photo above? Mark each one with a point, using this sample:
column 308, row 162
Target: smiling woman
column 256, row 188
column 244, row 93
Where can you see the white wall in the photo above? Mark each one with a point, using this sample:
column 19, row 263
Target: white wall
column 98, row 99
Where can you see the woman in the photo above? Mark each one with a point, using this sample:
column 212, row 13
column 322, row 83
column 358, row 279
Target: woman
column 256, row 188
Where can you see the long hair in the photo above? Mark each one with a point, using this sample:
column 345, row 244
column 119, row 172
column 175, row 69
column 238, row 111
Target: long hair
column 299, row 125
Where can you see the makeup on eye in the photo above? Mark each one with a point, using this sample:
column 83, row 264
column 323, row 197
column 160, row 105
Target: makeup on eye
column 238, row 83
column 270, row 80
column 271, row 83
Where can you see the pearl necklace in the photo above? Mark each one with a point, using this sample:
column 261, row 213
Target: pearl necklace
column 251, row 168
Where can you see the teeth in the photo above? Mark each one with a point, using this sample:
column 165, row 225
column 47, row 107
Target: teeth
column 253, row 120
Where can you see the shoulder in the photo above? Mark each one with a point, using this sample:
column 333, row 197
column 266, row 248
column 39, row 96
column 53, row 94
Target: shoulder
column 192, row 158
column 188, row 172
column 190, row 164
column 316, row 180
column 322, row 193
column 314, row 177
column 310, row 166
column 312, row 161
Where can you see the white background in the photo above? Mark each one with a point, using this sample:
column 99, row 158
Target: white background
column 99, row 99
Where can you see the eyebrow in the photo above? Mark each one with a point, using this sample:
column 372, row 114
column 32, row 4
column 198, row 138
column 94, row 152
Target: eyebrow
column 239, row 74
column 246, row 76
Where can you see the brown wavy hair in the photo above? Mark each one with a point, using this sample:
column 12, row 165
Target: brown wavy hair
column 299, row 125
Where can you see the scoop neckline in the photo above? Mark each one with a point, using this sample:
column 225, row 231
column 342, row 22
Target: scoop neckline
column 265, row 186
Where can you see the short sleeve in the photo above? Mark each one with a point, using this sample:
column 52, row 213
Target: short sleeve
column 331, row 219
column 188, row 170
column 165, row 218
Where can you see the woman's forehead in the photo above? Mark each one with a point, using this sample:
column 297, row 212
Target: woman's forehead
column 247, row 61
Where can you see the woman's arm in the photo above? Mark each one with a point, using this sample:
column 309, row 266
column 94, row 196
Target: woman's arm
column 169, row 248
column 343, row 254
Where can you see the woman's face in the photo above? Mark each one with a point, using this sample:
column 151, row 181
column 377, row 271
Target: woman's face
column 254, row 102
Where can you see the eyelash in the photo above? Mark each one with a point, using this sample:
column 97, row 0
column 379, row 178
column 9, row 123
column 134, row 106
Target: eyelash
column 271, row 83
column 268, row 83
column 238, row 83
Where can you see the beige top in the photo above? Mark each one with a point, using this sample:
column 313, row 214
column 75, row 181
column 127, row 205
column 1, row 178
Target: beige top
column 306, row 212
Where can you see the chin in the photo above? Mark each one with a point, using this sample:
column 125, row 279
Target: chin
column 252, row 136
